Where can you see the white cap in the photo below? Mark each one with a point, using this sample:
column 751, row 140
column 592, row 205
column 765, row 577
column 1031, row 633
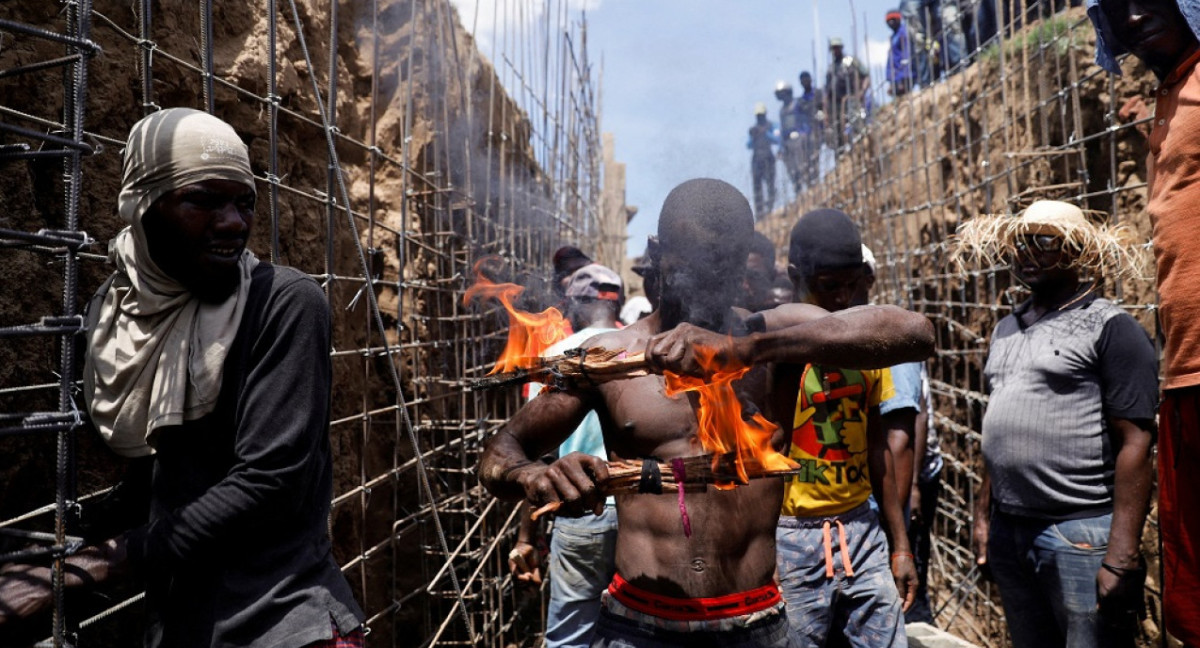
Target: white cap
column 634, row 309
column 868, row 257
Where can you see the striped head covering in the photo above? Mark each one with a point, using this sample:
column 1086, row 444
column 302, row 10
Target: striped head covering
column 156, row 352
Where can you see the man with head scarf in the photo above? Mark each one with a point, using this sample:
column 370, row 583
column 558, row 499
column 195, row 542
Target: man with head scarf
column 699, row 563
column 214, row 367
column 1163, row 34
column 1067, row 432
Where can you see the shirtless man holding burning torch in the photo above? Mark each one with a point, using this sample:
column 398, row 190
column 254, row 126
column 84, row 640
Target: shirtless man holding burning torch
column 697, row 564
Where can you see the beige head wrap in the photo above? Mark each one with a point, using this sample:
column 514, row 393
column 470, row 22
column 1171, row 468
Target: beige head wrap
column 1102, row 250
column 155, row 352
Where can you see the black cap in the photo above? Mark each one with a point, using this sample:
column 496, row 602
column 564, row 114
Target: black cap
column 825, row 239
column 568, row 259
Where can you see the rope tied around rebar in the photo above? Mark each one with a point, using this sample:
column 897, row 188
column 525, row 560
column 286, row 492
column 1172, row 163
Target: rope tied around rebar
column 580, row 353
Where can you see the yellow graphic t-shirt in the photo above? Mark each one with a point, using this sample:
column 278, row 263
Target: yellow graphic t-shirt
column 829, row 439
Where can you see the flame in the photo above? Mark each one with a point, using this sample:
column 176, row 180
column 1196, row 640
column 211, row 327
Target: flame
column 529, row 334
column 723, row 428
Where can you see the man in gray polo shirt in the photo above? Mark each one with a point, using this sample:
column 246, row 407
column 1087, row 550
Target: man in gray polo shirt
column 1066, row 435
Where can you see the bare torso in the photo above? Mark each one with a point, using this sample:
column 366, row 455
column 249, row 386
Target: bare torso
column 732, row 546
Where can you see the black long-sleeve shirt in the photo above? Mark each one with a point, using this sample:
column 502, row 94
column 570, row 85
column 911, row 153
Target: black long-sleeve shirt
column 236, row 552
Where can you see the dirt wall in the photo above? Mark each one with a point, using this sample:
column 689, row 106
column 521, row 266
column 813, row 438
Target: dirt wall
column 1033, row 117
column 450, row 151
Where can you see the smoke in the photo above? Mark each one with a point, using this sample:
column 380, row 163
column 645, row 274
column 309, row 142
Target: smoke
column 700, row 292
column 490, row 21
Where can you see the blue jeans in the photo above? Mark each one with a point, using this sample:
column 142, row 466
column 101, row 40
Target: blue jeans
column 865, row 607
column 582, row 563
column 1046, row 572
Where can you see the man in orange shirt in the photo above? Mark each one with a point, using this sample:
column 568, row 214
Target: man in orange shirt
column 1158, row 33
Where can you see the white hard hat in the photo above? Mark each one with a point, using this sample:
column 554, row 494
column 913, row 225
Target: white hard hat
column 782, row 86
column 760, row 108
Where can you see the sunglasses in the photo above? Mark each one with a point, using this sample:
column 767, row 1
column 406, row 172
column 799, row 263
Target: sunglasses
column 1039, row 242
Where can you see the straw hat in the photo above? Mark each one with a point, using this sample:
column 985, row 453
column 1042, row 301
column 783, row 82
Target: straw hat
column 1102, row 250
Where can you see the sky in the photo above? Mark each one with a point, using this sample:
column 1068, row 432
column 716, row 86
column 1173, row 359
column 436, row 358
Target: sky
column 681, row 77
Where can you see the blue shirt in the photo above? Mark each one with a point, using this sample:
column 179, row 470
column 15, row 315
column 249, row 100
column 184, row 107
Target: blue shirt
column 588, row 438
column 762, row 137
column 911, row 384
column 899, row 57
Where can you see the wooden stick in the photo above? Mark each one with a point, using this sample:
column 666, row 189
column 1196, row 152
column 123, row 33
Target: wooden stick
column 624, row 476
column 577, row 366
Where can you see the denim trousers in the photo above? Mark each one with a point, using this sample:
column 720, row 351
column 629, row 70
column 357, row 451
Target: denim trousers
column 1046, row 572
column 582, row 564
column 863, row 607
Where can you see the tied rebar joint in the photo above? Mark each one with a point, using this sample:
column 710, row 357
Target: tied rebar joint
column 73, row 239
column 88, row 46
column 72, row 418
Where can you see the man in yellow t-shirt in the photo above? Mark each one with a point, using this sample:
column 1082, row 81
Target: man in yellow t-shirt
column 829, row 439
column 833, row 557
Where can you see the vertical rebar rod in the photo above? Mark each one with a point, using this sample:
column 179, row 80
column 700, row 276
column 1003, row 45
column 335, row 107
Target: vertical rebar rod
column 273, row 124
column 147, row 57
column 206, row 53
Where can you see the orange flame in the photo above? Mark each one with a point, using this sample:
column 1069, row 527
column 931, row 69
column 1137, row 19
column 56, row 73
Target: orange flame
column 723, row 429
column 529, row 334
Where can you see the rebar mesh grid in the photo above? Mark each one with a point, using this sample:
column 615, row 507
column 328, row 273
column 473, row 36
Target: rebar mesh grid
column 1029, row 116
column 390, row 155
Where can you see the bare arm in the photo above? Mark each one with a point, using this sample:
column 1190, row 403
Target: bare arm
column 523, row 560
column 920, row 440
column 1131, row 502
column 509, row 466
column 900, row 427
column 883, row 484
column 26, row 590
column 865, row 337
column 981, row 525
column 1131, row 492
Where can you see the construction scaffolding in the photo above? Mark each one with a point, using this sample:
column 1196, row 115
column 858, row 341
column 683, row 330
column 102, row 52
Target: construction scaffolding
column 1029, row 116
column 390, row 155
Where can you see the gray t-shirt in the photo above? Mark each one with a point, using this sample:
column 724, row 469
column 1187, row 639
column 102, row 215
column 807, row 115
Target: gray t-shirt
column 1054, row 385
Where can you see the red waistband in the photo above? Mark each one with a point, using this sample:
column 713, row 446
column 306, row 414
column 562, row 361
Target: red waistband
column 694, row 609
